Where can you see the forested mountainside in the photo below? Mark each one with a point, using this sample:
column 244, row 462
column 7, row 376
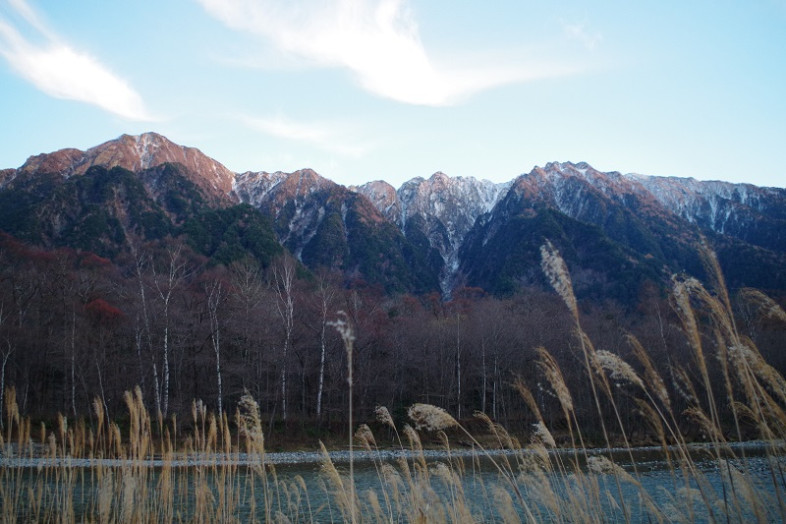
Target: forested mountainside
column 435, row 234
column 141, row 261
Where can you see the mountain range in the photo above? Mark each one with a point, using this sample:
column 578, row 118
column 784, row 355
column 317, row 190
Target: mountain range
column 619, row 233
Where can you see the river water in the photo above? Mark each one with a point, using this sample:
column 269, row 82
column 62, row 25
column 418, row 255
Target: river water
column 631, row 486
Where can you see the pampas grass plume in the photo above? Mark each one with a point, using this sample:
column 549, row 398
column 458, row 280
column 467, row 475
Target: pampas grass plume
column 430, row 418
column 617, row 368
column 556, row 271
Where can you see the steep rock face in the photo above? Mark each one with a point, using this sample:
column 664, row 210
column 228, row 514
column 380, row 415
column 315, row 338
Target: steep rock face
column 6, row 176
column 143, row 186
column 697, row 200
column 149, row 188
column 131, row 191
column 384, row 197
column 613, row 228
column 455, row 201
column 106, row 211
column 63, row 162
column 742, row 211
column 297, row 202
column 137, row 153
column 440, row 209
column 328, row 225
column 750, row 213
column 252, row 186
column 597, row 219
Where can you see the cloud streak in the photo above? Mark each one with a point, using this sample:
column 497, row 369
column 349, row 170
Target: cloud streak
column 60, row 71
column 579, row 32
column 377, row 40
column 333, row 138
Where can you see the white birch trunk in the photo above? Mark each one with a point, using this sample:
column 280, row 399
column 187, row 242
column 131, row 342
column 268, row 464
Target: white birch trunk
column 146, row 332
column 215, row 295
column 321, row 368
column 483, row 369
column 73, row 361
column 284, row 277
column 6, row 356
column 326, row 294
column 166, row 292
column 458, row 365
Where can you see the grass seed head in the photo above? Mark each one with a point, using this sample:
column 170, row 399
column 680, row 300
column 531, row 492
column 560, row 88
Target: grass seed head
column 383, row 416
column 653, row 378
column 526, row 395
column 767, row 307
column 551, row 370
column 683, row 385
column 556, row 271
column 542, row 434
column 617, row 368
column 365, row 436
column 430, row 418
column 653, row 419
column 601, row 465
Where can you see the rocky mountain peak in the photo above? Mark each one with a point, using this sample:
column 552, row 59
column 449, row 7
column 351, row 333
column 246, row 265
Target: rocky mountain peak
column 440, row 178
column 252, row 186
column 383, row 196
column 151, row 149
column 304, row 182
column 6, row 175
column 442, row 207
column 61, row 162
column 442, row 195
column 259, row 188
column 327, row 224
column 554, row 171
column 136, row 153
column 564, row 184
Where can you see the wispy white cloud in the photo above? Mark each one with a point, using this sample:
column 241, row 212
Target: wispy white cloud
column 61, row 71
column 23, row 9
column 378, row 40
column 331, row 137
column 580, row 32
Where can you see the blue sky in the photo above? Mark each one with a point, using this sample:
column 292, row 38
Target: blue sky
column 363, row 90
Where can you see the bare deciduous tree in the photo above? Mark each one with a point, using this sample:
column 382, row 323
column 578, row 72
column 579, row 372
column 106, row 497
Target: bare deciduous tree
column 7, row 350
column 326, row 294
column 216, row 293
column 166, row 284
column 283, row 282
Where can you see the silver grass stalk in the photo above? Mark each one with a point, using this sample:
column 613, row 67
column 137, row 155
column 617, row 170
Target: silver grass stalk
column 602, row 465
column 543, row 435
column 651, row 375
column 365, row 437
column 556, row 271
column 526, row 395
column 383, row 416
column 617, row 368
column 551, row 370
column 767, row 307
column 430, row 418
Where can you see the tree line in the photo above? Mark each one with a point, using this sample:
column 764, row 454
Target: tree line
column 75, row 327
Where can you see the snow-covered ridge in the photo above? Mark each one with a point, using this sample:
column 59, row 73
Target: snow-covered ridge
column 448, row 207
column 253, row 187
column 711, row 204
column 443, row 208
column 453, row 201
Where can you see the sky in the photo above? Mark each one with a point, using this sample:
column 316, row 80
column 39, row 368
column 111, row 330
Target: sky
column 363, row 90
